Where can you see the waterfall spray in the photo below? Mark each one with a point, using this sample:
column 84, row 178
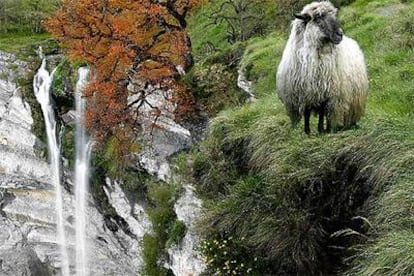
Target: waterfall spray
column 83, row 150
column 41, row 86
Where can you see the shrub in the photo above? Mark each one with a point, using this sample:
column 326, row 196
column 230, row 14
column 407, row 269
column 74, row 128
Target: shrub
column 214, row 87
column 177, row 233
column 161, row 198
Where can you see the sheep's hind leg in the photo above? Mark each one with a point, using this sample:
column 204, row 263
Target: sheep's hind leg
column 320, row 122
column 307, row 118
column 328, row 124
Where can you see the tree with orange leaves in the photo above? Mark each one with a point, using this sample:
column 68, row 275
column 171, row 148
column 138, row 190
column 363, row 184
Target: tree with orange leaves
column 124, row 41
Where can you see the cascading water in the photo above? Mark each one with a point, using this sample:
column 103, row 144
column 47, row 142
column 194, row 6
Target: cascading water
column 83, row 150
column 41, row 86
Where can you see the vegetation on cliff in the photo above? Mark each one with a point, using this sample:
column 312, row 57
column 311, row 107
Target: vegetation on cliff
column 280, row 202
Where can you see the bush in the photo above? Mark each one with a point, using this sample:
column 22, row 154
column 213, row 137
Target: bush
column 214, row 87
column 177, row 233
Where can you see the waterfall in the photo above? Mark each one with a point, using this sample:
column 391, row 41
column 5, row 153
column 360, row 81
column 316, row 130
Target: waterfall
column 41, row 86
column 83, row 150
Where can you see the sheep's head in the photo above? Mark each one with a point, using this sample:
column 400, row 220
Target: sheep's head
column 320, row 22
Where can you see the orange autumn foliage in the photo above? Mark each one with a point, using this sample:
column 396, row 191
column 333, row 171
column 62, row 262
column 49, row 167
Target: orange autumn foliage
column 124, row 40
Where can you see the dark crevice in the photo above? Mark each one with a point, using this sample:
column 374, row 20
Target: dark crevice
column 5, row 198
column 335, row 199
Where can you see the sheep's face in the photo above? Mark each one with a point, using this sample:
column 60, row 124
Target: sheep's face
column 321, row 23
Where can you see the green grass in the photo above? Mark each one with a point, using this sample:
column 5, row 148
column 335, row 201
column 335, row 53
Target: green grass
column 161, row 198
column 206, row 37
column 385, row 32
column 18, row 43
column 314, row 186
column 260, row 59
column 339, row 203
column 392, row 254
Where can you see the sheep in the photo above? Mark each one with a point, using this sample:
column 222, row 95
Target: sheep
column 322, row 71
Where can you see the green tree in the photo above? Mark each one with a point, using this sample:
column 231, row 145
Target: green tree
column 243, row 18
column 25, row 16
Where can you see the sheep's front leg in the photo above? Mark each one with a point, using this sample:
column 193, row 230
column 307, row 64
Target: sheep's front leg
column 307, row 118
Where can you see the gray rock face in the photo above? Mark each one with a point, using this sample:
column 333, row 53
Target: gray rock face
column 133, row 213
column 27, row 201
column 244, row 84
column 165, row 140
column 22, row 260
column 69, row 117
column 162, row 136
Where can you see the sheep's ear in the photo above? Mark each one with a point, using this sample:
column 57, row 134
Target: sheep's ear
column 305, row 17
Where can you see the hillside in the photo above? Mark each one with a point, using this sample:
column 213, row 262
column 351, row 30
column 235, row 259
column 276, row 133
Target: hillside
column 232, row 188
column 281, row 202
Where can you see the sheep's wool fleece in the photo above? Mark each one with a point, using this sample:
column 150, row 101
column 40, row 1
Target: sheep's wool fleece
column 311, row 73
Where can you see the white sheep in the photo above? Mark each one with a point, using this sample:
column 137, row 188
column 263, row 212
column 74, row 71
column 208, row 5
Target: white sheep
column 322, row 71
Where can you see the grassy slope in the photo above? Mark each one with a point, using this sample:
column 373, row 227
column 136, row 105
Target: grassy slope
column 13, row 43
column 290, row 198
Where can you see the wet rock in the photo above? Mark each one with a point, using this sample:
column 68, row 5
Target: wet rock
column 133, row 213
column 69, row 117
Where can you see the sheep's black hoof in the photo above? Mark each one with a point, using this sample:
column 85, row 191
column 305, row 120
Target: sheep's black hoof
column 354, row 126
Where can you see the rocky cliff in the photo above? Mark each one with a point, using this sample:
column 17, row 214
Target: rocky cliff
column 160, row 144
column 27, row 212
column 28, row 243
